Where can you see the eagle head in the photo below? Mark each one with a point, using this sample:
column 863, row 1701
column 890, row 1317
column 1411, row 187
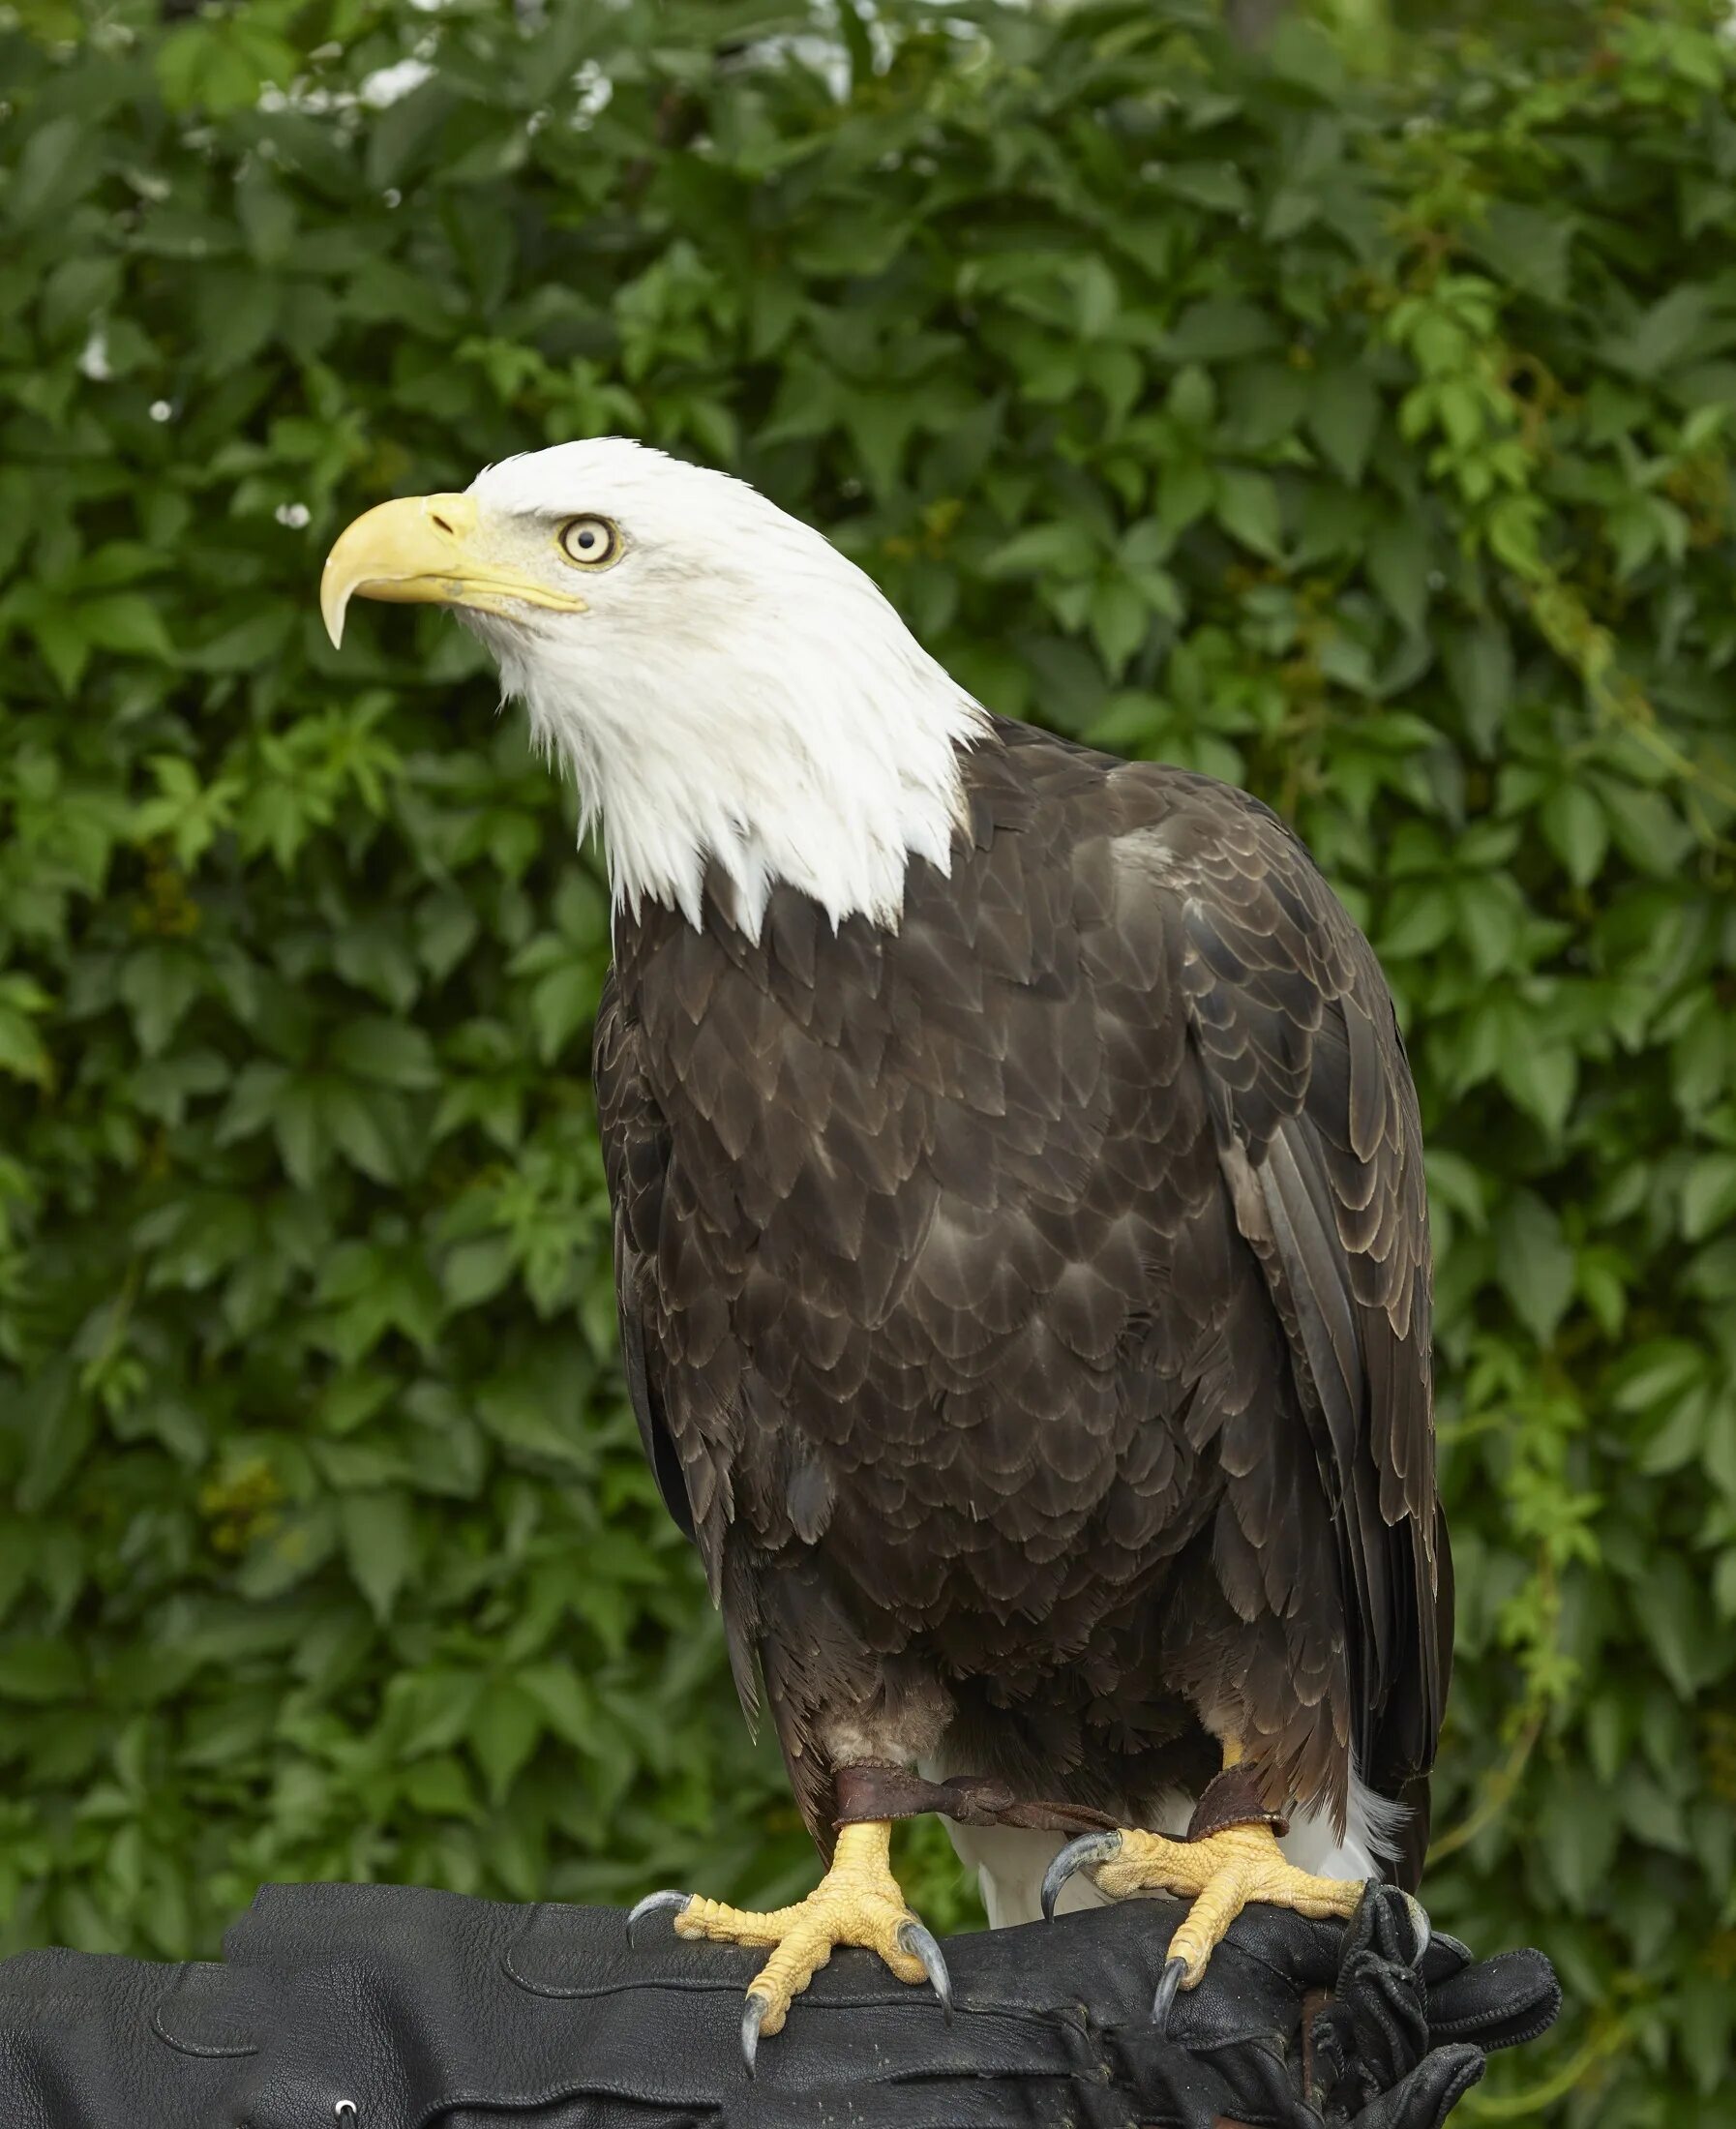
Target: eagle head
column 739, row 705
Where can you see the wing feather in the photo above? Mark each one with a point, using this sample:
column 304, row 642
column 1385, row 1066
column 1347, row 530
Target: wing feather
column 634, row 1161
column 1291, row 1023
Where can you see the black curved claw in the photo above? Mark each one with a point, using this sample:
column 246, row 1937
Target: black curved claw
column 919, row 1942
column 1174, row 1971
column 753, row 2017
column 1078, row 1855
column 654, row 1903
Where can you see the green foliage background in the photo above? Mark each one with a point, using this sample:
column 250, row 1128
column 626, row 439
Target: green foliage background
column 1367, row 441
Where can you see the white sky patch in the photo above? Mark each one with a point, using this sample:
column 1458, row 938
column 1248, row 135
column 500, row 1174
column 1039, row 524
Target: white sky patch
column 303, row 96
column 822, row 49
column 814, row 50
column 595, row 90
column 94, row 361
column 388, row 85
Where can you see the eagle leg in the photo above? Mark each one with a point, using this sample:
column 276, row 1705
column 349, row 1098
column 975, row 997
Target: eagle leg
column 1230, row 1859
column 857, row 1901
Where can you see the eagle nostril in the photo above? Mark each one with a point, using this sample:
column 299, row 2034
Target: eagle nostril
column 441, row 522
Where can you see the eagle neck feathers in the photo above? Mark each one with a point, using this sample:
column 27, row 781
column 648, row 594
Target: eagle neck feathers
column 829, row 757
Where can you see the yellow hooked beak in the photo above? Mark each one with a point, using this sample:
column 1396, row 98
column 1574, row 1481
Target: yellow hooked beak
column 431, row 550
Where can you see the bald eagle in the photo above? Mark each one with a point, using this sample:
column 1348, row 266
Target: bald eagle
column 1019, row 1224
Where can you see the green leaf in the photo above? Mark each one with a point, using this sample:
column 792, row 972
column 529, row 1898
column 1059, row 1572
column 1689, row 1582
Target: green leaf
column 1672, row 1614
column 1542, row 1078
column 1576, row 829
column 1659, row 1371
column 1066, row 549
column 1709, row 1195
column 440, row 1789
column 1185, row 491
column 300, row 1121
column 220, row 63
column 1343, row 418
column 1527, row 245
column 1454, row 1180
column 23, row 1051
column 1480, row 664
column 390, row 1052
column 1222, row 329
column 1192, row 400
column 1536, row 1264
column 1398, row 561
column 561, row 1694
column 562, row 1003
column 502, row 1734
column 476, row 1271
column 1681, row 1438
column 158, row 982
column 126, row 621
column 379, row 1543
column 53, row 169
column 39, row 1670
column 1648, row 830
column 65, row 646
column 57, row 1427
column 287, row 1552
column 1706, row 2010
column 361, row 1126
column 1688, row 323
column 1580, row 1839
column 1119, row 620
column 1248, row 508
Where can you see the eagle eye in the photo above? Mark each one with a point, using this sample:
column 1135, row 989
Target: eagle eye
column 593, row 543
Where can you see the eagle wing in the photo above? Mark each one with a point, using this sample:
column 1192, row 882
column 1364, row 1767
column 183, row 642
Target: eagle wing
column 1318, row 1135
column 636, row 1149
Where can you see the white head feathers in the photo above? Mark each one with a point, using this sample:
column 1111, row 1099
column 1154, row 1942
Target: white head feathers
column 737, row 693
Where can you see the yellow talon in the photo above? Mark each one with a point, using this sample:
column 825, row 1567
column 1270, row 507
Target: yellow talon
column 1222, row 1873
column 857, row 1901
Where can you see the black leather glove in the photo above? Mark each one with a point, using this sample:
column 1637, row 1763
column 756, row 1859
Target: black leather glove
column 372, row 2007
column 1404, row 2035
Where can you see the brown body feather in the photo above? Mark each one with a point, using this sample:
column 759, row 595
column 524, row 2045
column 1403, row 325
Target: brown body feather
column 1027, row 1310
